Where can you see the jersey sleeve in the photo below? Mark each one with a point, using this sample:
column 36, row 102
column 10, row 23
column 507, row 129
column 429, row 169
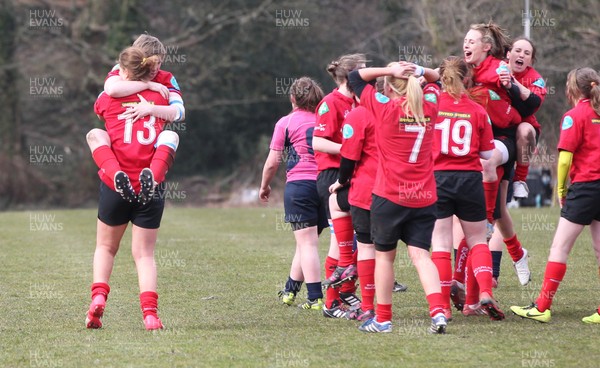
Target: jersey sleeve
column 373, row 101
column 278, row 139
column 112, row 73
column 354, row 136
column 100, row 104
column 326, row 119
column 431, row 96
column 168, row 80
column 570, row 133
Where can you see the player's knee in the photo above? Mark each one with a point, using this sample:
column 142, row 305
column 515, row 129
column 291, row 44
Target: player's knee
column 92, row 136
column 168, row 138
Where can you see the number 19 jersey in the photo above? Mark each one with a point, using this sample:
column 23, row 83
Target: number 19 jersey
column 463, row 129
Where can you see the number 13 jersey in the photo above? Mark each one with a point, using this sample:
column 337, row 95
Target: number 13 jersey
column 132, row 143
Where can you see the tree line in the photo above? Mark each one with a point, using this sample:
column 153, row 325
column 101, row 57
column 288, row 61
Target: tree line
column 234, row 61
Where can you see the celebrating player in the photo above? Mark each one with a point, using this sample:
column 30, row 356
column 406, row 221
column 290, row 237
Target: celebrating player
column 133, row 147
column 484, row 46
column 463, row 135
column 527, row 91
column 579, row 157
column 327, row 141
column 116, row 86
column 403, row 204
column 358, row 167
column 303, row 209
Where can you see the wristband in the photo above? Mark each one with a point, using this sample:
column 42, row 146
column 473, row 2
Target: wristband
column 419, row 71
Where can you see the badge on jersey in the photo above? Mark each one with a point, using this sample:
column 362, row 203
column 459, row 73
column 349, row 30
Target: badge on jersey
column 347, row 131
column 323, row 109
column 567, row 122
column 494, row 96
column 381, row 98
column 174, row 83
column 431, row 97
column 540, row 83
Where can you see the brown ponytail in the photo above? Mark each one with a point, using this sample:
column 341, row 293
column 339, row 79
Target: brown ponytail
column 306, row 93
column 138, row 66
column 494, row 35
column 584, row 83
column 339, row 69
column 453, row 71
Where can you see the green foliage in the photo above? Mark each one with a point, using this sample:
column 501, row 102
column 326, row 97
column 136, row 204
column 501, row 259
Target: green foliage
column 228, row 57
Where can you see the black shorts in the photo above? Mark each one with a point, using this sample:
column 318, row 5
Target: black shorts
column 113, row 210
column 342, row 198
column 324, row 181
column 460, row 193
column 391, row 222
column 361, row 221
column 302, row 205
column 583, row 203
column 511, row 146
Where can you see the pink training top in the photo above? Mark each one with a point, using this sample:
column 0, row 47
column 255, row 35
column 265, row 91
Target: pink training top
column 293, row 135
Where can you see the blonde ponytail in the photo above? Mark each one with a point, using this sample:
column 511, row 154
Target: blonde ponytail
column 413, row 105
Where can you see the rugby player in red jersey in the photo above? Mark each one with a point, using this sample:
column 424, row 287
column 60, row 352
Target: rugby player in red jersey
column 358, row 167
column 327, row 140
column 115, row 86
column 579, row 158
column 463, row 135
column 527, row 91
column 484, row 46
column 404, row 194
column 133, row 147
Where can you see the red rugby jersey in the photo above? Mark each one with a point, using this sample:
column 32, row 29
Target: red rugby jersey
column 163, row 77
column 580, row 134
column 359, row 145
column 490, row 94
column 133, row 144
column 532, row 80
column 405, row 166
column 462, row 130
column 330, row 115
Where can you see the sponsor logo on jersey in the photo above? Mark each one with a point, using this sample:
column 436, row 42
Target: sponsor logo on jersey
column 431, row 97
column 174, row 83
column 381, row 98
column 321, row 127
column 567, row 122
column 410, row 120
column 494, row 96
column 323, row 108
column 540, row 83
column 595, row 121
column 347, row 131
column 451, row 114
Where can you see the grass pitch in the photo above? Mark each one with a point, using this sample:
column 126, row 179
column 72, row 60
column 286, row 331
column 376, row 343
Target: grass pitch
column 219, row 273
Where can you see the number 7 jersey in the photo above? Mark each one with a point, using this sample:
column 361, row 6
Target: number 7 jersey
column 462, row 130
column 405, row 166
column 132, row 143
